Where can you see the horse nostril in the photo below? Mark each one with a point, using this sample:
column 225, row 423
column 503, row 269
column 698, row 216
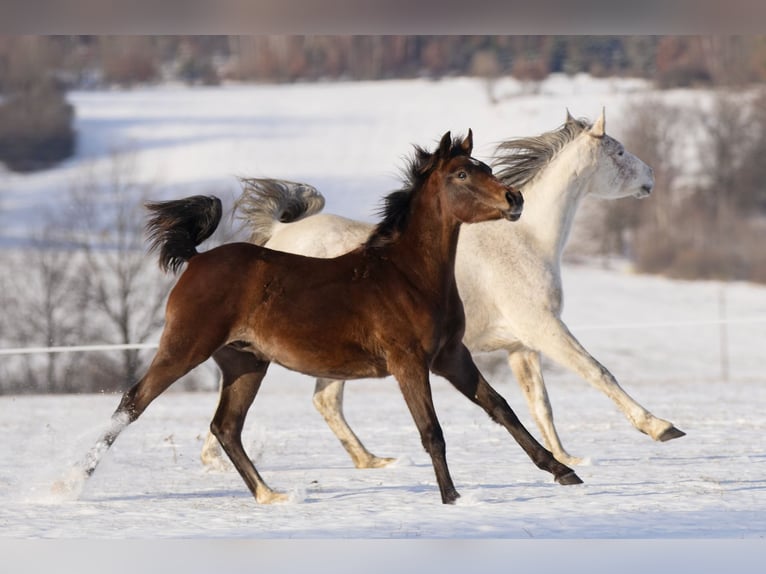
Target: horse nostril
column 647, row 187
column 514, row 198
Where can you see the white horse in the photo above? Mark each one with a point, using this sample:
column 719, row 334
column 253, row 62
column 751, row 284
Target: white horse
column 509, row 276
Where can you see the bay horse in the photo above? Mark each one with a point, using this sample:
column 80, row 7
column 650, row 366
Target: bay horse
column 508, row 276
column 390, row 306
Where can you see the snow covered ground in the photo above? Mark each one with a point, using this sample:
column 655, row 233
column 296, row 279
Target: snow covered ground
column 659, row 337
column 709, row 484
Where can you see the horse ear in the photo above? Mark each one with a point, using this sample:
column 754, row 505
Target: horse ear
column 599, row 128
column 570, row 119
column 445, row 145
column 467, row 144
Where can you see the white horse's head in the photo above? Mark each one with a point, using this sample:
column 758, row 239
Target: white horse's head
column 579, row 156
column 615, row 172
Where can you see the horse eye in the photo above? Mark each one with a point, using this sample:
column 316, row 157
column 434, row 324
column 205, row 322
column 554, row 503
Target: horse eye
column 621, row 152
column 462, row 175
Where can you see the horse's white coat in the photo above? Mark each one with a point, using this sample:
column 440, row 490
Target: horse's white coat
column 509, row 277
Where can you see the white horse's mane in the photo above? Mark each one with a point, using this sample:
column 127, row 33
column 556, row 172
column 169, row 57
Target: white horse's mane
column 521, row 159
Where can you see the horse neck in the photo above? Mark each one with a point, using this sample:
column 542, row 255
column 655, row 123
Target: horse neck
column 427, row 247
column 551, row 201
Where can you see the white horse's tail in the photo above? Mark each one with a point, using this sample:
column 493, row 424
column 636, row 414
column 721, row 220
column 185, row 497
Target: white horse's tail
column 265, row 202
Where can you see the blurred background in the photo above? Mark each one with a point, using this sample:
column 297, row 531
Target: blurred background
column 91, row 126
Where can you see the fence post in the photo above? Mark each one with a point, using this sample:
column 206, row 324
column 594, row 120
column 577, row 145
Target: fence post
column 723, row 333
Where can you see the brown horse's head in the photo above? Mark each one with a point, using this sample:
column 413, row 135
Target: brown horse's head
column 472, row 193
column 464, row 186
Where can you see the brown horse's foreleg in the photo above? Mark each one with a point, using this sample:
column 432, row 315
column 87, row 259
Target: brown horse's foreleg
column 328, row 400
column 416, row 388
column 242, row 376
column 457, row 366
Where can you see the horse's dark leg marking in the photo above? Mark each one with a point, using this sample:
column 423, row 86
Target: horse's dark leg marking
column 416, row 388
column 242, row 376
column 457, row 366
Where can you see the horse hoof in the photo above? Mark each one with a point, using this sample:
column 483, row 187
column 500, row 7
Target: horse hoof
column 570, row 460
column 670, row 434
column 569, row 478
column 451, row 497
column 272, row 497
column 375, row 462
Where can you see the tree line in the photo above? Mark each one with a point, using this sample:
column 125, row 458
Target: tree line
column 86, row 61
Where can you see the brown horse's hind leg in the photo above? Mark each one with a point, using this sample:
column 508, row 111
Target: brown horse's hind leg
column 457, row 366
column 416, row 388
column 242, row 376
column 167, row 367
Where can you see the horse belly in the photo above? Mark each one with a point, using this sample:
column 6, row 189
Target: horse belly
column 314, row 316
column 326, row 358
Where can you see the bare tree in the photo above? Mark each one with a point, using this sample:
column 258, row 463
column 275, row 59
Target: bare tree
column 726, row 58
column 753, row 200
column 734, row 148
column 42, row 298
column 698, row 229
column 125, row 289
column 726, row 149
column 85, row 280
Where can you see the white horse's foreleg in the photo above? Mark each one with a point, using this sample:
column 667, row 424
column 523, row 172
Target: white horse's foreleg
column 525, row 365
column 328, row 400
column 561, row 346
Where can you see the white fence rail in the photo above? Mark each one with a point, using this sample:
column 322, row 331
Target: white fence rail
column 76, row 349
column 575, row 328
column 723, row 362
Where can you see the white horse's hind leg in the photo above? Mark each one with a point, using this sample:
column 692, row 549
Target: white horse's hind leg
column 561, row 346
column 328, row 400
column 525, row 365
column 212, row 455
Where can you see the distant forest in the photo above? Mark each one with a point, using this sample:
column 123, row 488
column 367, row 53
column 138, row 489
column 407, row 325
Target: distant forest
column 94, row 61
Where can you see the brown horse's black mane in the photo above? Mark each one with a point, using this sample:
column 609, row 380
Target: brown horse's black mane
column 395, row 210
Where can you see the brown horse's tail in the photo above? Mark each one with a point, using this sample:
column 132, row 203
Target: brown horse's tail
column 266, row 201
column 176, row 227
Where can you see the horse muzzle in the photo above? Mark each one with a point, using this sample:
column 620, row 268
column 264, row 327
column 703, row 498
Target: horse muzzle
column 516, row 202
column 644, row 191
column 511, row 215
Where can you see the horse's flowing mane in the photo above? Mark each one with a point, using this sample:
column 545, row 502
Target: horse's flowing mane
column 519, row 160
column 395, row 210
